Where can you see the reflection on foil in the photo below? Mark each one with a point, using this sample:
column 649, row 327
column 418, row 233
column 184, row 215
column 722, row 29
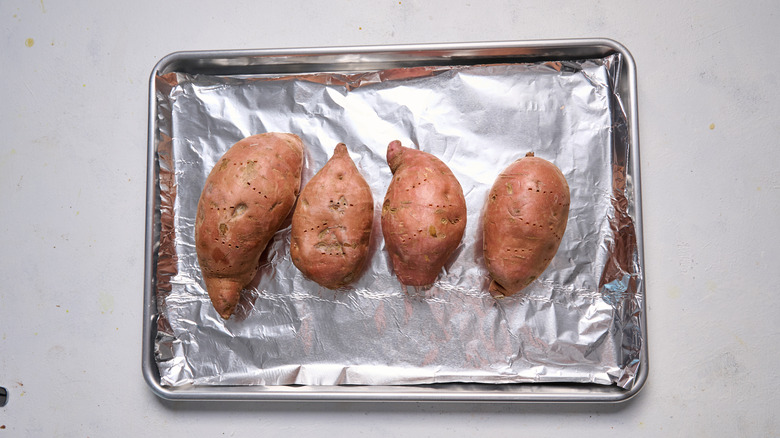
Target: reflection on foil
column 579, row 322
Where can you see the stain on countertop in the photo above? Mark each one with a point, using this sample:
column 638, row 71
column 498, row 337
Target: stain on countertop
column 106, row 302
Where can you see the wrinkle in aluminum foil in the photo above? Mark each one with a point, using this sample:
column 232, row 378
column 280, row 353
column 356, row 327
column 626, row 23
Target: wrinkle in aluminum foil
column 579, row 322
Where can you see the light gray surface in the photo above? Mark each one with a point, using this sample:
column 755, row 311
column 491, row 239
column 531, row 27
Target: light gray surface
column 72, row 168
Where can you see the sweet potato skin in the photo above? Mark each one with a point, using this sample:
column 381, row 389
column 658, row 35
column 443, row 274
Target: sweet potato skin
column 332, row 222
column 246, row 198
column 423, row 214
column 524, row 220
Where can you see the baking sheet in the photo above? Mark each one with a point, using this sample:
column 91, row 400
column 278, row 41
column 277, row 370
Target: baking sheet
column 580, row 322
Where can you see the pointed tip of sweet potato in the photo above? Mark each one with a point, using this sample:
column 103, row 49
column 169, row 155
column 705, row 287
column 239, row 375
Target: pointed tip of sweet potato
column 224, row 294
column 497, row 291
column 341, row 150
column 394, row 150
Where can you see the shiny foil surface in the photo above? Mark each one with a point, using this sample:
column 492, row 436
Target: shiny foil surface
column 579, row 322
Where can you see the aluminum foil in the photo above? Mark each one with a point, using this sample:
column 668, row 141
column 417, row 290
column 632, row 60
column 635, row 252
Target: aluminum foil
column 579, row 322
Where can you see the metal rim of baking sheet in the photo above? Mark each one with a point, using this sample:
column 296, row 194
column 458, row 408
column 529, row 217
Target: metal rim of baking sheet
column 361, row 58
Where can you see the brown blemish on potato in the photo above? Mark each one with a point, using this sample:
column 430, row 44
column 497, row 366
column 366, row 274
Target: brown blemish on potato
column 239, row 210
column 432, row 230
column 250, row 170
column 217, row 255
column 223, row 229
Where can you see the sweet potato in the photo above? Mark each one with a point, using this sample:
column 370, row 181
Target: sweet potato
column 524, row 220
column 331, row 224
column 246, row 197
column 423, row 214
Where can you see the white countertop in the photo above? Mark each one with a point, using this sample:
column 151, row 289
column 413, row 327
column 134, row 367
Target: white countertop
column 73, row 119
